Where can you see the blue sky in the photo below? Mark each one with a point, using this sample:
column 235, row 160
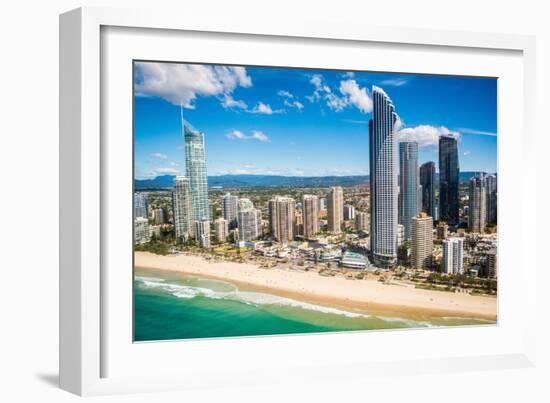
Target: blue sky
column 280, row 121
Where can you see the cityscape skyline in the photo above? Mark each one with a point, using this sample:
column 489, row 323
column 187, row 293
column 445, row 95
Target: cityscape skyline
column 426, row 245
column 318, row 114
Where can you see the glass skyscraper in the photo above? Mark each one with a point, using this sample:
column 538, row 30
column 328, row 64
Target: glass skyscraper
column 383, row 179
column 195, row 169
column 448, row 179
column 141, row 205
column 408, row 185
column 427, row 181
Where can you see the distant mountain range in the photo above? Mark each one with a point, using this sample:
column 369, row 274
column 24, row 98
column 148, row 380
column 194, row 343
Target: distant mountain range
column 232, row 181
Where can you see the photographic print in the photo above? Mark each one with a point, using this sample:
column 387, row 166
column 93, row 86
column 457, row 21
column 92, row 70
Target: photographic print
column 274, row 200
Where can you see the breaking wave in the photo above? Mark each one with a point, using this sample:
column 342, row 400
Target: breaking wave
column 247, row 297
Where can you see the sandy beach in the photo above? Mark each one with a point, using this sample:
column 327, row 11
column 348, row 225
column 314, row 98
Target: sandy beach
column 367, row 295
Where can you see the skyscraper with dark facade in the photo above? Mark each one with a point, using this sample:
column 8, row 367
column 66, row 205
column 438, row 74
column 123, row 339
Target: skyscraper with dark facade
column 491, row 184
column 477, row 204
column 427, row 181
column 448, row 179
column 408, row 185
column 383, row 179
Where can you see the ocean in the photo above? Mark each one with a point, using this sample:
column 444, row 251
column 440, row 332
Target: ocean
column 171, row 306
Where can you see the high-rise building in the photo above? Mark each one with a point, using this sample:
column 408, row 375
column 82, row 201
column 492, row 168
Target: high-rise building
column 449, row 170
column 408, row 185
column 202, row 231
column 383, row 179
column 299, row 223
column 427, row 182
column 477, row 204
column 250, row 224
column 442, row 230
column 310, row 209
column 491, row 264
column 195, row 169
column 249, row 221
column 491, row 185
column 158, row 216
column 181, row 206
column 221, row 229
column 453, row 256
column 361, row 221
column 323, row 203
column 141, row 205
column 230, row 205
column 141, row 230
column 400, row 234
column 335, row 204
column 349, row 212
column 281, row 218
column 422, row 241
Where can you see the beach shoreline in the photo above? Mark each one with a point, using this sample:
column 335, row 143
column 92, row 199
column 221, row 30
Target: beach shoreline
column 367, row 296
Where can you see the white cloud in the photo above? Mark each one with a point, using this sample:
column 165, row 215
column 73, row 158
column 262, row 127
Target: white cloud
column 425, row 135
column 349, row 74
column 181, row 84
column 335, row 102
column 256, row 135
column 284, row 93
column 264, row 109
column 395, row 82
column 359, row 97
column 352, row 94
column 294, row 104
column 236, row 135
column 160, row 156
column 474, row 131
column 229, row 102
column 317, row 81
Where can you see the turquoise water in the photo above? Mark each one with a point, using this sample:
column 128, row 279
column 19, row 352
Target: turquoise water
column 170, row 306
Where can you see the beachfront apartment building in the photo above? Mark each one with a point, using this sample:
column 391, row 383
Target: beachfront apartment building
column 221, row 229
column 453, row 256
column 141, row 230
column 310, row 215
column 335, row 206
column 202, row 233
column 282, row 212
column 181, row 207
column 230, row 204
column 422, row 241
column 141, row 205
column 250, row 224
column 383, row 162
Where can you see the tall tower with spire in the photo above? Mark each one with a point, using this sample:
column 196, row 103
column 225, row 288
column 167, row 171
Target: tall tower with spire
column 196, row 171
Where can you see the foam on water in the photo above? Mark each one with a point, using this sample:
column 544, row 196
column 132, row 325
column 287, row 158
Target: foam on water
column 247, row 297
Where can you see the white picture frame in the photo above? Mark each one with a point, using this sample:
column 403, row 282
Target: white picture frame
column 83, row 251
